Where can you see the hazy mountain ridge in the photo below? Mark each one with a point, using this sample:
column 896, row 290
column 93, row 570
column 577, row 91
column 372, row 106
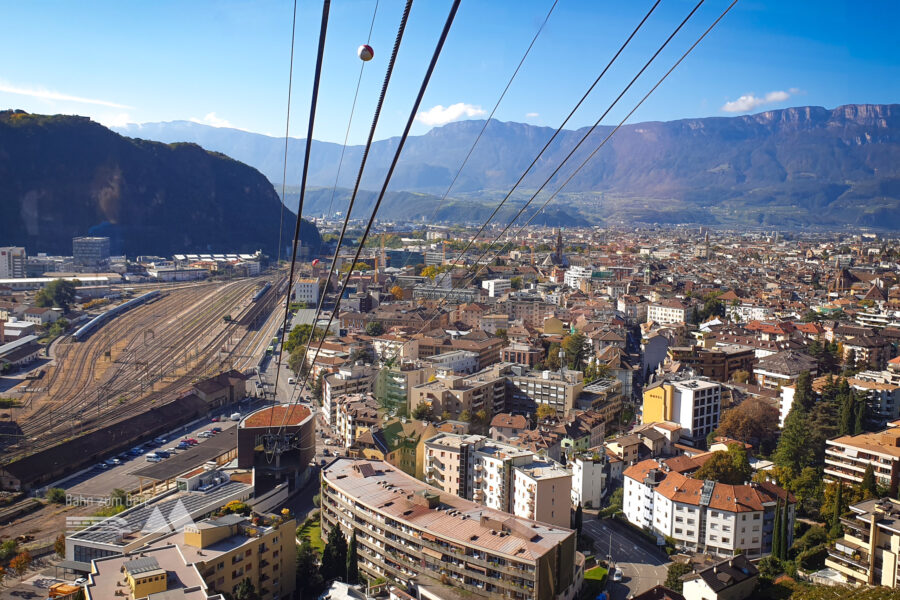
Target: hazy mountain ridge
column 64, row 176
column 791, row 166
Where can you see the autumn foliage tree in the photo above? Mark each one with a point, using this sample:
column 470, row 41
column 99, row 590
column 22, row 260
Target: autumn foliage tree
column 731, row 467
column 753, row 421
column 20, row 563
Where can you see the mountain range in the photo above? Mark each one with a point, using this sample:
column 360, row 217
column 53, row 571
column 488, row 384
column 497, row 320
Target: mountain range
column 792, row 167
column 66, row 176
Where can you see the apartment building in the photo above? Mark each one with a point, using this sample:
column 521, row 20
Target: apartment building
column 496, row 287
column 528, row 389
column 704, row 516
column 209, row 557
column 522, row 354
column 91, row 252
column 350, row 379
column 542, row 492
column 576, row 274
column 783, row 368
column 306, row 290
column 847, row 457
column 457, row 361
column 354, row 414
column 868, row 552
column 633, row 307
column 407, row 530
column 719, row 363
column 500, row 476
column 589, row 474
column 667, row 311
column 531, row 310
column 454, row 395
column 695, row 404
column 12, row 262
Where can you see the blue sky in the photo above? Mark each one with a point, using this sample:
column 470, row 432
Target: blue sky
column 225, row 62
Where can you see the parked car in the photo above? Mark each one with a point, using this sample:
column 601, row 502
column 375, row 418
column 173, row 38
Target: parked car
column 204, row 434
column 183, row 445
column 216, row 429
column 81, row 581
column 617, row 575
column 112, row 462
column 162, row 454
column 215, row 419
column 152, row 457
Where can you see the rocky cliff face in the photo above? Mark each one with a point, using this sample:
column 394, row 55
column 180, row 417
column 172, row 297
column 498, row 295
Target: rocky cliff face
column 63, row 176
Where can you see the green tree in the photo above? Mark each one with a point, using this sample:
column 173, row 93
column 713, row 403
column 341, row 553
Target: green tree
column 352, row 561
column 59, row 293
column 803, row 392
column 516, row 283
column 859, row 416
column 794, row 450
column 552, row 360
column 374, row 328
column 246, row 591
column 579, row 519
column 770, row 567
column 545, row 411
column 731, row 467
column 334, row 558
column 422, row 412
column 868, row 487
column 56, row 495
column 836, row 530
column 573, row 345
column 59, row 545
column 753, row 421
column 309, row 581
column 776, row 532
column 299, row 336
column 674, row 574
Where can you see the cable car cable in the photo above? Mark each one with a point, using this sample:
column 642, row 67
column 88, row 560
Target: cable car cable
column 350, row 121
column 401, row 143
column 287, row 129
column 326, row 6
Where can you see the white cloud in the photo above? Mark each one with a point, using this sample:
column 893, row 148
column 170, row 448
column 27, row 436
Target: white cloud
column 532, row 115
column 45, row 94
column 439, row 115
column 113, row 119
column 750, row 102
column 212, row 120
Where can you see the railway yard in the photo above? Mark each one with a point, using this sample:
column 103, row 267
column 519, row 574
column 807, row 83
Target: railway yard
column 141, row 359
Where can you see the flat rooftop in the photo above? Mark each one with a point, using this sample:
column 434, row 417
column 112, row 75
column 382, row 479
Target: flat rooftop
column 104, row 583
column 130, row 525
column 389, row 491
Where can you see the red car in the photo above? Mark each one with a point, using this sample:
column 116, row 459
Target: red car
column 191, row 441
column 215, row 419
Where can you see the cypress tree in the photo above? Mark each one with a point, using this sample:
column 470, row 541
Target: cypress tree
column 868, row 486
column 795, row 448
column 776, row 532
column 836, row 530
column 845, row 426
column 859, row 415
column 803, row 392
column 579, row 517
column 785, row 544
column 352, row 561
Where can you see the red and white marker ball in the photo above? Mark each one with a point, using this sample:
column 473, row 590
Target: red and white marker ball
column 365, row 52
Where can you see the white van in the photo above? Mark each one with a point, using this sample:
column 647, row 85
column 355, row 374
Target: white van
column 291, row 380
column 235, row 417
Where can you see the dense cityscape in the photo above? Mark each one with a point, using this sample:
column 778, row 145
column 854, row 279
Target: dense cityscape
column 661, row 404
column 446, row 300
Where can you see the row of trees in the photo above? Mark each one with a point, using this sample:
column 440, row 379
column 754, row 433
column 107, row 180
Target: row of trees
column 339, row 560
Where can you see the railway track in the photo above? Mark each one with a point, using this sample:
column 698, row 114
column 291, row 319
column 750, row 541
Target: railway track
column 160, row 363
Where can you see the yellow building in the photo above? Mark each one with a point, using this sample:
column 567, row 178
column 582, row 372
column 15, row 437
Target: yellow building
column 229, row 549
column 695, row 404
column 145, row 576
column 210, row 557
column 399, row 443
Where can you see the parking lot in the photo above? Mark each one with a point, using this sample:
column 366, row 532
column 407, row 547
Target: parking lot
column 100, row 481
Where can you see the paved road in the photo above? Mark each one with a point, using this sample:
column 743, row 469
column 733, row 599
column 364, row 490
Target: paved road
column 643, row 565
